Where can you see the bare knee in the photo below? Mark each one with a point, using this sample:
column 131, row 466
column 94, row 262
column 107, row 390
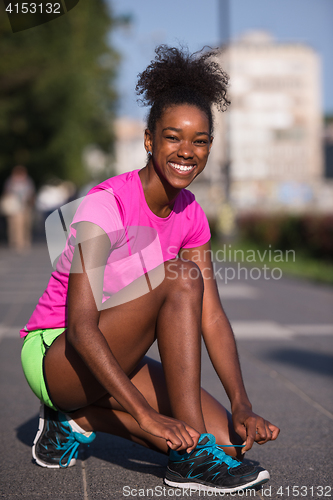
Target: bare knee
column 184, row 276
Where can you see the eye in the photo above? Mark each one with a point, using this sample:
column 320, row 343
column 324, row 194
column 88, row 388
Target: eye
column 201, row 141
column 172, row 138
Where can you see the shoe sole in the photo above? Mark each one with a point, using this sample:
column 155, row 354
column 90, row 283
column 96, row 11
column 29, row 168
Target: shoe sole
column 38, row 435
column 262, row 478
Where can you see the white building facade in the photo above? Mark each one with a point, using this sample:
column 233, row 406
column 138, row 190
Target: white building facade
column 272, row 133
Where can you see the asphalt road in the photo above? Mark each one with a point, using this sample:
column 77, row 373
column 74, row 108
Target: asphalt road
column 285, row 339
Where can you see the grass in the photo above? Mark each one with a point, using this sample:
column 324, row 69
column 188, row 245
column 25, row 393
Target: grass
column 295, row 263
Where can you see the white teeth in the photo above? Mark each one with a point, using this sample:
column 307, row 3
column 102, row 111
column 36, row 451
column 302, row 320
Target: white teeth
column 182, row 168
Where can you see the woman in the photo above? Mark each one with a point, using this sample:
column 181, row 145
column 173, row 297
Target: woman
column 127, row 287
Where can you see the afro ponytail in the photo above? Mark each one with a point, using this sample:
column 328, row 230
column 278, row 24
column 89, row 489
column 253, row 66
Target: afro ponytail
column 177, row 77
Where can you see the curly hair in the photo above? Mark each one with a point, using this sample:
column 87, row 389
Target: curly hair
column 177, row 77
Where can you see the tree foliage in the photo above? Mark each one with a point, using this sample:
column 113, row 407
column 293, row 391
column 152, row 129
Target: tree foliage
column 57, row 91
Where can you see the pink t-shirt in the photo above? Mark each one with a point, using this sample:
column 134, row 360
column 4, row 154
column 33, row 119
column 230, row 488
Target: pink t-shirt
column 140, row 241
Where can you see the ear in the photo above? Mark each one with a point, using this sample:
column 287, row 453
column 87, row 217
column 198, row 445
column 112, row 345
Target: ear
column 211, row 143
column 148, row 140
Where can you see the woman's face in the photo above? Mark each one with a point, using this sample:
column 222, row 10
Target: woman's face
column 180, row 144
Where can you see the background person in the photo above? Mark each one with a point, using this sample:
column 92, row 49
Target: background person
column 17, row 205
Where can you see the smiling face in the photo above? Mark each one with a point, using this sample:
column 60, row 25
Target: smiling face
column 180, row 144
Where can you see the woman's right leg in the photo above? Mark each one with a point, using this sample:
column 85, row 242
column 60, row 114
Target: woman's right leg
column 172, row 314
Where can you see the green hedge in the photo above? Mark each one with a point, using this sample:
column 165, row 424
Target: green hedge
column 311, row 234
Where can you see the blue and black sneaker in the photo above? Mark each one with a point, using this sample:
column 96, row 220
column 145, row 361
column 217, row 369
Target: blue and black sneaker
column 208, row 468
column 56, row 444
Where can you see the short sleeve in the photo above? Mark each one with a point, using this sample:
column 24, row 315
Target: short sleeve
column 101, row 208
column 199, row 231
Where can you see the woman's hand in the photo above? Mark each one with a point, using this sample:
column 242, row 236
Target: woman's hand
column 252, row 428
column 178, row 435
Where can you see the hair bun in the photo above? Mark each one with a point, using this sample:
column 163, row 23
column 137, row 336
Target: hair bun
column 175, row 68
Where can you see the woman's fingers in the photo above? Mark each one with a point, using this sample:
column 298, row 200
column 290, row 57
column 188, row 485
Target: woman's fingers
column 178, row 435
column 271, row 431
column 183, row 437
column 195, row 435
column 274, row 430
column 250, row 425
column 178, row 439
column 263, row 432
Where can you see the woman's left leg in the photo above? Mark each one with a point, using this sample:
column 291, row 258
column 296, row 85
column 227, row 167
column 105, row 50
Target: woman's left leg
column 108, row 416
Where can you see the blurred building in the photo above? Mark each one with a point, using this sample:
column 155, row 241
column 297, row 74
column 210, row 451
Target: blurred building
column 130, row 153
column 268, row 151
column 328, row 149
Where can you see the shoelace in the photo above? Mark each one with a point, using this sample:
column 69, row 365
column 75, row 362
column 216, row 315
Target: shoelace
column 71, row 446
column 74, row 451
column 214, row 450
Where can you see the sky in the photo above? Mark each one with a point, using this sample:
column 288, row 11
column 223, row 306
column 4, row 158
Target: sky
column 197, row 23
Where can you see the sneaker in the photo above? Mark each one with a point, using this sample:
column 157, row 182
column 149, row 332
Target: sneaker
column 55, row 440
column 208, row 468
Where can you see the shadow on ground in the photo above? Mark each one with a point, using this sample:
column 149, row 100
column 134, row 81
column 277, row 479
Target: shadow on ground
column 318, row 362
column 27, row 431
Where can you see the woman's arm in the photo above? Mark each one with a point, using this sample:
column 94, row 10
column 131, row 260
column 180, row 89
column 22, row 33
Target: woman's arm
column 221, row 346
column 87, row 339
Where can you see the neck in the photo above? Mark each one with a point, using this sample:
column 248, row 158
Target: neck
column 160, row 196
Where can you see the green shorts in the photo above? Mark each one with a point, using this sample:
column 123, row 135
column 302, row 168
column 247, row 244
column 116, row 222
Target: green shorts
column 33, row 352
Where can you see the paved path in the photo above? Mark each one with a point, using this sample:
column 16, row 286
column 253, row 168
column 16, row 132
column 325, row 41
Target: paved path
column 285, row 339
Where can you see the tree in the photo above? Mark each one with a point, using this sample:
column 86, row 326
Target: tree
column 57, row 91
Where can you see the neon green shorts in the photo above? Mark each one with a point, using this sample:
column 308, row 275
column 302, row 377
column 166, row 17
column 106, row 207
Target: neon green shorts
column 33, row 352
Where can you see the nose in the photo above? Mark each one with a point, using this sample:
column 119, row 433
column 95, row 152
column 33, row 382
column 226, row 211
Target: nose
column 185, row 149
